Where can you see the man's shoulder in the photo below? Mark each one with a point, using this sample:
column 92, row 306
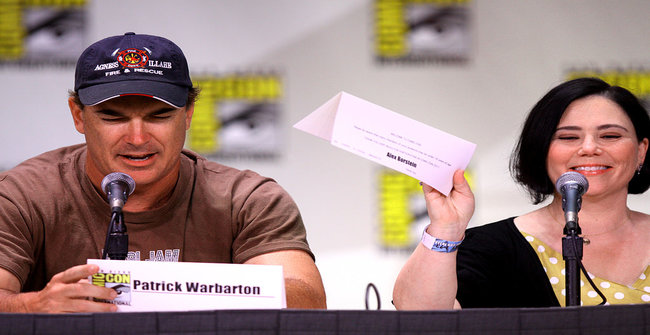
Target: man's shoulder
column 46, row 176
column 48, row 162
column 211, row 170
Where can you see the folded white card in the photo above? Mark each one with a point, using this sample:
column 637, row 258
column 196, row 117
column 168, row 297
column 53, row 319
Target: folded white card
column 390, row 139
column 184, row 286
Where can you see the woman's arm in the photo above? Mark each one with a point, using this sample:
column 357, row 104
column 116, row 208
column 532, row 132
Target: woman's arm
column 428, row 279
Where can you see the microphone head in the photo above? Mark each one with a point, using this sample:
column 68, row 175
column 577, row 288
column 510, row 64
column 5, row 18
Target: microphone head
column 572, row 178
column 119, row 177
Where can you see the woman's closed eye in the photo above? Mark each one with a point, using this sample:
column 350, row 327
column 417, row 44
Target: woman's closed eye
column 611, row 136
column 567, row 137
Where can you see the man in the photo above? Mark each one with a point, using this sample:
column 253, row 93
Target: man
column 133, row 101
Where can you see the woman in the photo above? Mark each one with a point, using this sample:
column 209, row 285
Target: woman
column 583, row 125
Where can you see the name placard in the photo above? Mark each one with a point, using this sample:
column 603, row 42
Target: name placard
column 184, row 286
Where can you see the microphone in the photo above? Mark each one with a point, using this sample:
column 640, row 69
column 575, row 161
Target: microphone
column 117, row 186
column 571, row 185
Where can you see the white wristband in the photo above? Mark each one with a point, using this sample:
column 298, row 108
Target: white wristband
column 437, row 244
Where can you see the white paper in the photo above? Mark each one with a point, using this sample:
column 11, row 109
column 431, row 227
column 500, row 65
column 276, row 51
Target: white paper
column 390, row 139
column 185, row 286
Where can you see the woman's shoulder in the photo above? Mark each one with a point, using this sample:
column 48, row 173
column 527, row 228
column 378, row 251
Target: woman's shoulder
column 502, row 230
column 501, row 225
column 642, row 222
column 495, row 240
column 640, row 217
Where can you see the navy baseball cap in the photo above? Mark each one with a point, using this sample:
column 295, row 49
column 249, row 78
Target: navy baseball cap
column 133, row 64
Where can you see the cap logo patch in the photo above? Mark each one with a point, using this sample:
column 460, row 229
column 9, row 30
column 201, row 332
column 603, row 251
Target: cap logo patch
column 132, row 58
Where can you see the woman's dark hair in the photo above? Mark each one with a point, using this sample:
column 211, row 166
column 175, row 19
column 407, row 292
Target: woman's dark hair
column 192, row 96
column 528, row 160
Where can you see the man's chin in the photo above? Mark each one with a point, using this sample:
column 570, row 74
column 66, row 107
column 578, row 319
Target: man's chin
column 140, row 178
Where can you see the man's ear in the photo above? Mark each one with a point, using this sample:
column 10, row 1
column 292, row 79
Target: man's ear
column 77, row 115
column 189, row 111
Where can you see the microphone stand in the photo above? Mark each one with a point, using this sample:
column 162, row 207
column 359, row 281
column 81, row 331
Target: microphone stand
column 572, row 255
column 117, row 241
column 117, row 186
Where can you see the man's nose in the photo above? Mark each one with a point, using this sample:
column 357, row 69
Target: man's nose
column 137, row 132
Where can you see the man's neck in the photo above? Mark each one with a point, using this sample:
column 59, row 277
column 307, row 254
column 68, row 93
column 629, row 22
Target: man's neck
column 146, row 196
column 147, row 199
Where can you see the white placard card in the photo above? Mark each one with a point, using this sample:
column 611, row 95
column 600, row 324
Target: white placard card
column 390, row 139
column 185, row 286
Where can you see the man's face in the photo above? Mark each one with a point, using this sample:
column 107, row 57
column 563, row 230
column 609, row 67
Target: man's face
column 136, row 135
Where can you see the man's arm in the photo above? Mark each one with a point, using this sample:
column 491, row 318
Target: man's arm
column 304, row 285
column 67, row 292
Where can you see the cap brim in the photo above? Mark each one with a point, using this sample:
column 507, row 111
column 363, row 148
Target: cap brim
column 170, row 94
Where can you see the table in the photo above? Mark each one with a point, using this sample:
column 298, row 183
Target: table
column 618, row 319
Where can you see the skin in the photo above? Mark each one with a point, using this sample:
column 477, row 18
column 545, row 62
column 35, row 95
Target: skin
column 139, row 136
column 142, row 137
column 428, row 279
column 594, row 137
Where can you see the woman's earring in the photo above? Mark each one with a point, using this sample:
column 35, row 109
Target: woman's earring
column 638, row 170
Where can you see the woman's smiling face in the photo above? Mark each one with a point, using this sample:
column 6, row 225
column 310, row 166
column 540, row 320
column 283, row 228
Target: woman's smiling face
column 597, row 139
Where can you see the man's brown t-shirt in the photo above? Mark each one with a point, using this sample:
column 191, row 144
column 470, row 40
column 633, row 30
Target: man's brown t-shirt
column 52, row 218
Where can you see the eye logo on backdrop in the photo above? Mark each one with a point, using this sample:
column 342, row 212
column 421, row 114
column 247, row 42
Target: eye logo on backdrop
column 401, row 207
column 34, row 33
column 633, row 78
column 237, row 116
column 422, row 31
column 132, row 58
column 402, row 210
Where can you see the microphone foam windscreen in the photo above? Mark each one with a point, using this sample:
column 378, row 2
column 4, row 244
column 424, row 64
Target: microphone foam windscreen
column 572, row 177
column 118, row 176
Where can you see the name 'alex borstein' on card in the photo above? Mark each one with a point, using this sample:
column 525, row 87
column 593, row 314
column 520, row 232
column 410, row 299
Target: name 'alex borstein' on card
column 390, row 139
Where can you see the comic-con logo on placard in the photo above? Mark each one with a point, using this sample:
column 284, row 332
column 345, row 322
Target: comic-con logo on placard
column 132, row 58
column 120, row 282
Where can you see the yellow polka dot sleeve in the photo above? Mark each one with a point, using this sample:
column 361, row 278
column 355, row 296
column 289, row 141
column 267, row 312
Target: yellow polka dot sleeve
column 615, row 293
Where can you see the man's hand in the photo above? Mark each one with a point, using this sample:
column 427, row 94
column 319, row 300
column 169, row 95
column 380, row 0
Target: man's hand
column 67, row 292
